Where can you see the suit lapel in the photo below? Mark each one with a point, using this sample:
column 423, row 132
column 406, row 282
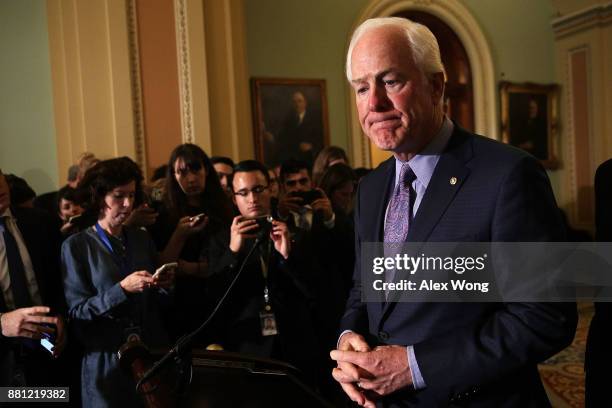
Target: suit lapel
column 376, row 195
column 448, row 177
column 376, row 199
column 30, row 240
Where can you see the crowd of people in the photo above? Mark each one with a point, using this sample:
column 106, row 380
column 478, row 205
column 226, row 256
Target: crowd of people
column 285, row 241
column 108, row 231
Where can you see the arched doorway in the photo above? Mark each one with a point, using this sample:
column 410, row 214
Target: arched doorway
column 458, row 95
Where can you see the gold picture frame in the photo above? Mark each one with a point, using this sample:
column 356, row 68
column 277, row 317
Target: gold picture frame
column 530, row 119
column 289, row 119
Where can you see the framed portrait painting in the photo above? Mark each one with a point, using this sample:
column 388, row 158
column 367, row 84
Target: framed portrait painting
column 529, row 115
column 289, row 119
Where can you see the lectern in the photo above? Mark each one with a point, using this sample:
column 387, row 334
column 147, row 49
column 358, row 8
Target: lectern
column 220, row 379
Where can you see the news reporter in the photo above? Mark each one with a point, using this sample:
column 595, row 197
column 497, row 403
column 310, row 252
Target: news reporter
column 192, row 188
column 109, row 287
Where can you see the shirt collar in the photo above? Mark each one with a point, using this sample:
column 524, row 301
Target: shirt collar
column 424, row 163
column 7, row 213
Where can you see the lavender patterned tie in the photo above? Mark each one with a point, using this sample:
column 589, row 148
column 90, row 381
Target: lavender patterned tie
column 399, row 213
column 399, row 217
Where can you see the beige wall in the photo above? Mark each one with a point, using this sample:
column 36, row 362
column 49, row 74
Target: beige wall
column 137, row 77
column 584, row 59
column 92, row 93
column 157, row 56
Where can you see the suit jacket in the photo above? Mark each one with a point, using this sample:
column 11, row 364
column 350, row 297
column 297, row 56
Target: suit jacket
column 42, row 239
column 475, row 354
column 238, row 325
column 598, row 356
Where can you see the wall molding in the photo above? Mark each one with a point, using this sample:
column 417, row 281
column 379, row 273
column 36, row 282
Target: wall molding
column 182, row 47
column 136, row 80
column 599, row 15
column 461, row 20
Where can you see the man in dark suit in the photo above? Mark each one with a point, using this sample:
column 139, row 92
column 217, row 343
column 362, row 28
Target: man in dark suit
column 443, row 184
column 268, row 311
column 598, row 358
column 31, row 295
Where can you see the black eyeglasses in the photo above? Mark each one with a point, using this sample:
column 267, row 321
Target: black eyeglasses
column 255, row 190
column 190, row 168
column 292, row 183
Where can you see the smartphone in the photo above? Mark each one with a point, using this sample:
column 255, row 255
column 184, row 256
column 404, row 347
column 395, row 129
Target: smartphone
column 48, row 340
column 265, row 224
column 72, row 219
column 307, row 196
column 197, row 218
column 46, row 343
column 162, row 269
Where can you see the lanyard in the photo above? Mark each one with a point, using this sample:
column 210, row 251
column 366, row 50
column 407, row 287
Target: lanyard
column 121, row 261
column 265, row 262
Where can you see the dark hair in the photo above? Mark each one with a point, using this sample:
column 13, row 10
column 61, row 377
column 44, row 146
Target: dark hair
column 335, row 176
column 246, row 166
column 325, row 156
column 105, row 176
column 361, row 172
column 222, row 159
column 67, row 193
column 213, row 199
column 20, row 190
column 292, row 166
column 159, row 172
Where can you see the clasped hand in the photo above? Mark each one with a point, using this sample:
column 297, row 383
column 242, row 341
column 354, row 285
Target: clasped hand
column 367, row 374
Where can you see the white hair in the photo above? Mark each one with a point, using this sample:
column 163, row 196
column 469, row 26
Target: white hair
column 423, row 44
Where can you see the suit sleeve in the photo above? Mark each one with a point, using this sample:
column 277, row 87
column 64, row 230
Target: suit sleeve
column 356, row 315
column 603, row 202
column 85, row 302
column 516, row 334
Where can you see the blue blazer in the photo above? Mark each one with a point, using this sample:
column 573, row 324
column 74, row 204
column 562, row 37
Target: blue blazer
column 474, row 354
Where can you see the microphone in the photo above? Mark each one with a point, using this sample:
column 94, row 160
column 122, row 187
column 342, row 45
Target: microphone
column 187, row 339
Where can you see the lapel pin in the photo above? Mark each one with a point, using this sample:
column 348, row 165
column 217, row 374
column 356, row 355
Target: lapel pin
column 453, row 181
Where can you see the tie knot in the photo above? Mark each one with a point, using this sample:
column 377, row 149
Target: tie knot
column 407, row 176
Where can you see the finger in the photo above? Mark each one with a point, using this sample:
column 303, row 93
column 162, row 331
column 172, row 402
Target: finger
column 368, row 385
column 248, row 228
column 30, row 334
column 353, row 393
column 35, row 328
column 343, row 376
column 354, row 342
column 41, row 329
column 37, row 310
column 351, row 371
column 41, row 319
column 142, row 274
column 354, row 357
column 369, row 404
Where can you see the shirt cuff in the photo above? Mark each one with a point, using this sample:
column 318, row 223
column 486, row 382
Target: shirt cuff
column 342, row 334
column 331, row 222
column 417, row 379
